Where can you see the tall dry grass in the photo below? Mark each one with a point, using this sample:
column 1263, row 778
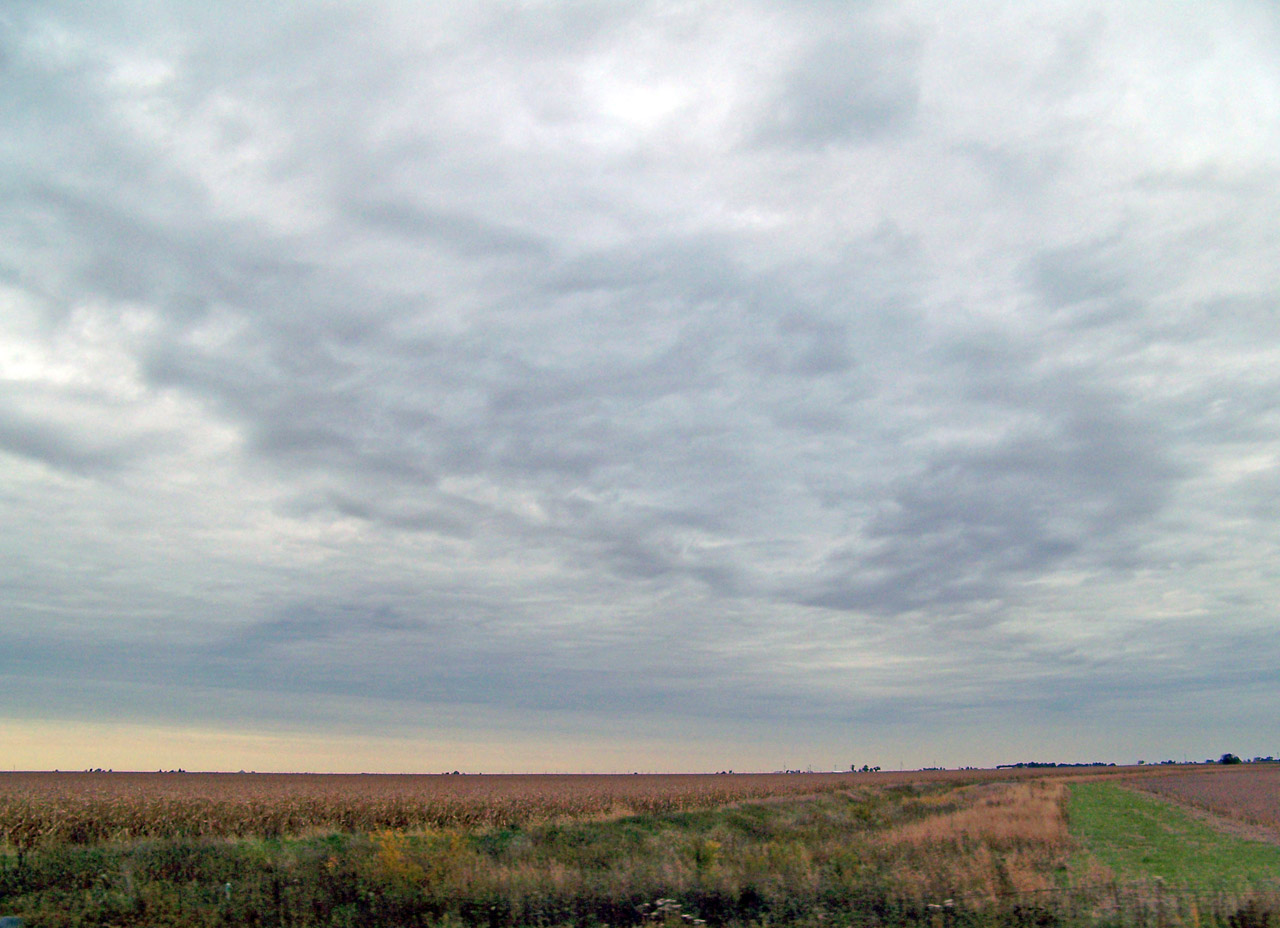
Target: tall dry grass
column 994, row 841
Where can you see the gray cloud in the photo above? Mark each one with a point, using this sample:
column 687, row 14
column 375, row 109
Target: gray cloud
column 846, row 86
column 891, row 370
column 59, row 448
column 1055, row 473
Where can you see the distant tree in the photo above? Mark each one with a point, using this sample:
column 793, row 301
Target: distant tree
column 1229, row 759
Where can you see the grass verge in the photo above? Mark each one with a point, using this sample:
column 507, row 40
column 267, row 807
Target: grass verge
column 1141, row 838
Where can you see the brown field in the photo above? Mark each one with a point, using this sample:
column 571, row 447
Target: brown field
column 82, row 808
column 1247, row 793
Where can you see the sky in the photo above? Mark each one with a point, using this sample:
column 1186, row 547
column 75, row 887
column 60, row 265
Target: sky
column 597, row 386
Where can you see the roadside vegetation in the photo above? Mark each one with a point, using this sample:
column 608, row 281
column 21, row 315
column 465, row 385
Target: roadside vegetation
column 942, row 852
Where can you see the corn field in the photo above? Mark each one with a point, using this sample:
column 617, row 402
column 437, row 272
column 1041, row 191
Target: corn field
column 82, row 808
column 43, row 809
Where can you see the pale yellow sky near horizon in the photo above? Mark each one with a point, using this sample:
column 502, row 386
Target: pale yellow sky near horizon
column 64, row 745
column 46, row 744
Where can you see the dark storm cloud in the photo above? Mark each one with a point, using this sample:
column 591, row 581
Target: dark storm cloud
column 732, row 362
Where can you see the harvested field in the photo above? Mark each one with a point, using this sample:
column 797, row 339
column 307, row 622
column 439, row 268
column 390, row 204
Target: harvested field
column 1247, row 793
column 83, row 808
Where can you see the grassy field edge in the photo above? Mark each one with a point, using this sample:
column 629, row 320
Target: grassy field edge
column 1137, row 836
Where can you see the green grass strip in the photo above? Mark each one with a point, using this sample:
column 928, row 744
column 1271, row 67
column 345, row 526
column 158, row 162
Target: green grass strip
column 1140, row 837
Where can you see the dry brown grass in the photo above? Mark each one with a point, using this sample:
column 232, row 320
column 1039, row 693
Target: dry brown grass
column 999, row 840
column 1004, row 816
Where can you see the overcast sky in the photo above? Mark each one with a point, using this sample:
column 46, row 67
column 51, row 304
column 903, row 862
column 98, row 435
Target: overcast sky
column 646, row 385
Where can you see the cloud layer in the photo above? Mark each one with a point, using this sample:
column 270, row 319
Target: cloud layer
column 780, row 375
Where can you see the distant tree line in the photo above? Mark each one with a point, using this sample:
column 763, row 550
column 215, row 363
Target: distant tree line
column 1037, row 763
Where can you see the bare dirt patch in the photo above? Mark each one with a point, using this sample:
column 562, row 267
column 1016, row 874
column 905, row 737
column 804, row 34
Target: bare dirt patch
column 1241, row 800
